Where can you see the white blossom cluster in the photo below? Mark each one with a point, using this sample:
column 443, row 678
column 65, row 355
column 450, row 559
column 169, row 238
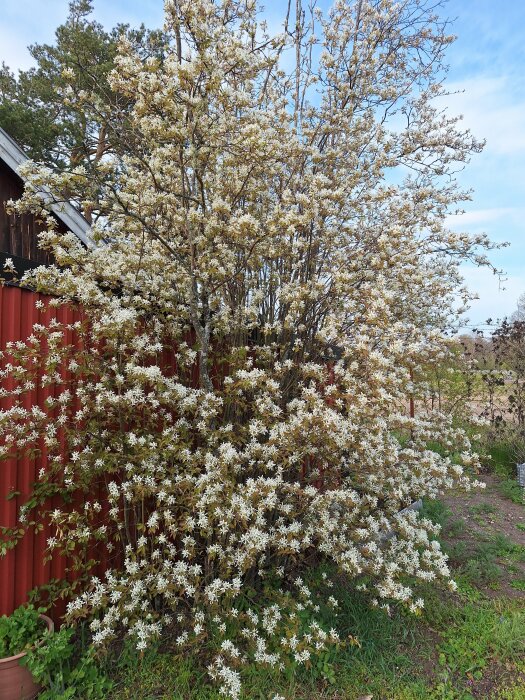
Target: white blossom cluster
column 262, row 290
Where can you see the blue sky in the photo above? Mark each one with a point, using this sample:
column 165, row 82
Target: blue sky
column 487, row 63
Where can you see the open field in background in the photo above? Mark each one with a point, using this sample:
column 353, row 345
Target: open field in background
column 470, row 644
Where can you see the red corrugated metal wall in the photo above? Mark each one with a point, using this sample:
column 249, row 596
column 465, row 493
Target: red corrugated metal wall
column 24, row 568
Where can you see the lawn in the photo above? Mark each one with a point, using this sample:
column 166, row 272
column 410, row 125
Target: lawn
column 466, row 645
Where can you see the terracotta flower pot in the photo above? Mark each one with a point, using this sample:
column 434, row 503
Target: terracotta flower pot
column 16, row 681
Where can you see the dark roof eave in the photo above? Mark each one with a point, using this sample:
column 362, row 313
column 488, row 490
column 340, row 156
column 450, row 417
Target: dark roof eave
column 13, row 156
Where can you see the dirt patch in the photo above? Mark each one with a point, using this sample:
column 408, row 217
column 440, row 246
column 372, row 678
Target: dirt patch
column 484, row 525
column 487, row 510
column 495, row 676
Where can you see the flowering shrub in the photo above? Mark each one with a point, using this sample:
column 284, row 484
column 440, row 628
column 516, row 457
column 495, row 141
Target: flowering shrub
column 261, row 289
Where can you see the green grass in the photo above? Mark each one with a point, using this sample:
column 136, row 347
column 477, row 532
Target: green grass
column 483, row 631
column 486, row 561
column 460, row 642
column 483, row 509
column 436, row 510
column 381, row 661
column 437, row 657
column 509, row 488
column 502, row 462
column 474, row 563
column 161, row 675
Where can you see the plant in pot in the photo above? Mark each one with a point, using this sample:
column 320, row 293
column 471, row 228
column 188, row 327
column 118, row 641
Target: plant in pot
column 20, row 632
column 65, row 670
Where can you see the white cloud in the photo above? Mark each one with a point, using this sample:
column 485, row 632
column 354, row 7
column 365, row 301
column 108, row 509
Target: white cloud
column 494, row 109
column 480, row 217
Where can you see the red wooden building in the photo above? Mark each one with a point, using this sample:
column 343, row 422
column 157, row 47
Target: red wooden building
column 19, row 234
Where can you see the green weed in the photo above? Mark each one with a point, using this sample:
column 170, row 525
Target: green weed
column 436, row 511
column 483, row 509
column 510, row 489
column 161, row 676
column 502, row 460
column 503, row 546
column 483, row 632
